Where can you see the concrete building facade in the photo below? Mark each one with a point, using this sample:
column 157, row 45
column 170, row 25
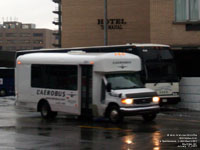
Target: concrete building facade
column 16, row 36
column 138, row 21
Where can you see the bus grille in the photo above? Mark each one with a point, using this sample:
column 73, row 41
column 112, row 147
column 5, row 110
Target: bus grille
column 143, row 101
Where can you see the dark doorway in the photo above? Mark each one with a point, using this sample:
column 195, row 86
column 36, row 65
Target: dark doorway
column 86, row 90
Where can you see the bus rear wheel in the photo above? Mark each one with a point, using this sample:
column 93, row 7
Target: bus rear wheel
column 46, row 112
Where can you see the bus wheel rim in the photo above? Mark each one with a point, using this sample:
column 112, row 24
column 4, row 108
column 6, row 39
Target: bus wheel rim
column 114, row 115
column 45, row 110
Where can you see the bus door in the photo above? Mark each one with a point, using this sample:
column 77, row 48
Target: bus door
column 86, row 90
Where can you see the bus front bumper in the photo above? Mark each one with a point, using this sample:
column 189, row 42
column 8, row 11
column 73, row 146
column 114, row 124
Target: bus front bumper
column 169, row 100
column 128, row 111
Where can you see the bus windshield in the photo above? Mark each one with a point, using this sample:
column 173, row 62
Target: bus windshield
column 124, row 81
column 159, row 65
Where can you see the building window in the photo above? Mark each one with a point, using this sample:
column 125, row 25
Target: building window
column 38, row 34
column 38, row 47
column 194, row 10
column 11, row 34
column 27, row 41
column 25, row 35
column 187, row 10
column 38, row 42
column 10, row 48
column 11, row 41
column 24, row 48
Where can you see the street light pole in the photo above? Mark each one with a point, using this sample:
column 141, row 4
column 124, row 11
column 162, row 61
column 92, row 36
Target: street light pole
column 105, row 24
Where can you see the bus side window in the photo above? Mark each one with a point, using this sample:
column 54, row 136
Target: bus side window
column 62, row 77
column 37, row 75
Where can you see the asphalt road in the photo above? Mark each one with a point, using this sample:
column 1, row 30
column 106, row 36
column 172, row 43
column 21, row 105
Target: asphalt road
column 25, row 130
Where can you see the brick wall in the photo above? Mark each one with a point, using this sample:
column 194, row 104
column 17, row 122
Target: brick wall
column 163, row 28
column 144, row 21
column 80, row 22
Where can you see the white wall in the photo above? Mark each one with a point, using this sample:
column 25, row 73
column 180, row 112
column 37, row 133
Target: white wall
column 190, row 93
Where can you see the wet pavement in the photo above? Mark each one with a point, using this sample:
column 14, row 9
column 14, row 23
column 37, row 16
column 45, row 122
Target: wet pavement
column 25, row 130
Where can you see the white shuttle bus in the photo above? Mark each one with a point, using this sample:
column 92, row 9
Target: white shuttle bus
column 80, row 83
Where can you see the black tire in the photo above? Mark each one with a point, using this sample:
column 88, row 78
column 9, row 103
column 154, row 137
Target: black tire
column 114, row 114
column 46, row 112
column 149, row 117
column 2, row 92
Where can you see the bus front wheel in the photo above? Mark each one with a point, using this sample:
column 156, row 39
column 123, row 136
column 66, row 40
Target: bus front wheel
column 115, row 115
column 46, row 112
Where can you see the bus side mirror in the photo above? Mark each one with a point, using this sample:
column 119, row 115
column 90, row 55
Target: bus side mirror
column 108, row 87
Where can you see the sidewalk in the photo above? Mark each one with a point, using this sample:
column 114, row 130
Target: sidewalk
column 181, row 112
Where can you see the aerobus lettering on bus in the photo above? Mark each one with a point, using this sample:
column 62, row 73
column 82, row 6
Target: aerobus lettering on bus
column 50, row 93
column 122, row 62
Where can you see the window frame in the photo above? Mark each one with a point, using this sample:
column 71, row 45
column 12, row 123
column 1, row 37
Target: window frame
column 188, row 14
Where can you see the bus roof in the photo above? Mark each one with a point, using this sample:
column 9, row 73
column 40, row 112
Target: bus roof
column 147, row 45
column 91, row 48
column 104, row 62
column 76, row 48
column 55, row 50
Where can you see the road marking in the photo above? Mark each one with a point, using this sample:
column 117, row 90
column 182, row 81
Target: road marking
column 182, row 120
column 120, row 129
column 91, row 127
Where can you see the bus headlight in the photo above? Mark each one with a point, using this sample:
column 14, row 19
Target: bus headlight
column 156, row 99
column 127, row 101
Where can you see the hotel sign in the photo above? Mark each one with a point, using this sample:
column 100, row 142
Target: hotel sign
column 113, row 24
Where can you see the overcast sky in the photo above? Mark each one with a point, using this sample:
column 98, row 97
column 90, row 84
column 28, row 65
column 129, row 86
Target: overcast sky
column 38, row 12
